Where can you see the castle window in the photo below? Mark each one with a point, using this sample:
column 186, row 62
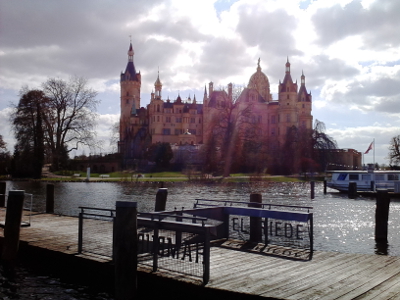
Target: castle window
column 303, row 105
column 199, row 120
column 166, row 131
column 158, row 107
column 288, row 97
column 127, row 101
column 178, row 120
column 168, row 119
column 158, row 118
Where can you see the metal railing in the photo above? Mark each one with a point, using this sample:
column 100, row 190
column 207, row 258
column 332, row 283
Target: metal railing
column 26, row 218
column 175, row 242
column 284, row 230
column 170, row 241
column 95, row 233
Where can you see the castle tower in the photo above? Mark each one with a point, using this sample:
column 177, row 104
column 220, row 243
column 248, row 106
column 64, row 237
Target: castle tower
column 158, row 86
column 130, row 83
column 288, row 115
column 304, row 104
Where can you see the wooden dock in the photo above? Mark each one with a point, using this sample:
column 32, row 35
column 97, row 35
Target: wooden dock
column 330, row 275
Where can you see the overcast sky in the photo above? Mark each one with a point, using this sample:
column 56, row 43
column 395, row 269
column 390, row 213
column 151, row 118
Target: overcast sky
column 349, row 52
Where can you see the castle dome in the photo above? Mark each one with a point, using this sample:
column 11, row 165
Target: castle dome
column 259, row 81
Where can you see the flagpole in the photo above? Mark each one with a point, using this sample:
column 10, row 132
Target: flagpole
column 374, row 152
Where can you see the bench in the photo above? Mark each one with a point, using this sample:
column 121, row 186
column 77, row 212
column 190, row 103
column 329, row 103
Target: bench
column 104, row 176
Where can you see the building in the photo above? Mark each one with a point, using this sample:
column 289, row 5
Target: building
column 252, row 113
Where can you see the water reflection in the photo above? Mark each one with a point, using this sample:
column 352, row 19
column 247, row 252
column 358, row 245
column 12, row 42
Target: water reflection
column 340, row 224
column 382, row 248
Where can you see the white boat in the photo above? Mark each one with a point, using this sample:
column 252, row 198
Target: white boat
column 365, row 180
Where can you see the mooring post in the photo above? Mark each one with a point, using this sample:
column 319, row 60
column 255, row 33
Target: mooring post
column 255, row 222
column 352, row 190
column 382, row 215
column 12, row 227
column 50, row 198
column 161, row 199
column 312, row 185
column 125, row 250
column 325, row 187
column 3, row 186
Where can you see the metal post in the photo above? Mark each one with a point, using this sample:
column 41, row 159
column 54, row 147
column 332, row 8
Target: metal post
column 206, row 256
column 80, row 232
column 325, row 187
column 50, row 198
column 3, row 186
column 156, row 243
column 125, row 250
column 255, row 222
column 12, row 227
column 312, row 185
column 311, row 236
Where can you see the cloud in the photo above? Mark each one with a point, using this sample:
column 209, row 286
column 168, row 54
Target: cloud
column 6, row 130
column 271, row 31
column 377, row 24
column 347, row 49
column 371, row 93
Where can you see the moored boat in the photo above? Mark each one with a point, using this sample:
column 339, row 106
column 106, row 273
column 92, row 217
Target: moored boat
column 365, row 180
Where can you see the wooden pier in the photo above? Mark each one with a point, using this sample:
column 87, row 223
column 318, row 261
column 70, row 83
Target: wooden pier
column 329, row 275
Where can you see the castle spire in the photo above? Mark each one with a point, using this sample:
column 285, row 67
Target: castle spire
column 130, row 71
column 130, row 53
column 158, row 85
column 287, row 65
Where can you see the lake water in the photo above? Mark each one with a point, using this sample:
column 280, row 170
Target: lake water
column 340, row 224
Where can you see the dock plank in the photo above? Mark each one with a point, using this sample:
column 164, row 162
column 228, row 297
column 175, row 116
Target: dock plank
column 330, row 275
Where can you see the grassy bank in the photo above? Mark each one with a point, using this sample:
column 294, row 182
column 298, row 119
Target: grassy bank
column 172, row 177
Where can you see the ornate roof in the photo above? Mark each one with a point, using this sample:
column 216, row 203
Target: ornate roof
column 259, row 81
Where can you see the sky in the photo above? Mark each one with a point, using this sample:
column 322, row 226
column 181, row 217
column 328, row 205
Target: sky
column 349, row 51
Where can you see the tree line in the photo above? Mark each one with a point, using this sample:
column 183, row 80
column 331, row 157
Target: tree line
column 50, row 122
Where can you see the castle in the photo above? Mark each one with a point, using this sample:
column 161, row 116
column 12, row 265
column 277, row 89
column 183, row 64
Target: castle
column 249, row 113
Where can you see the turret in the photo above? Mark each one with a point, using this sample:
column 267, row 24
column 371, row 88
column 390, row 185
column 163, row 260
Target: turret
column 130, row 83
column 158, row 86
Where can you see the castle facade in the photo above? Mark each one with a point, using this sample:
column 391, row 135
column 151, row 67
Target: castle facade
column 244, row 114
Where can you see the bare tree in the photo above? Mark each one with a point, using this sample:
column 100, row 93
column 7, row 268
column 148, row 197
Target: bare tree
column 70, row 116
column 29, row 132
column 230, row 124
column 3, row 145
column 5, row 157
column 307, row 150
column 394, row 150
column 114, row 137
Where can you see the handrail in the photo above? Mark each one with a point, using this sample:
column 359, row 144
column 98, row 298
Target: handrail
column 262, row 204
